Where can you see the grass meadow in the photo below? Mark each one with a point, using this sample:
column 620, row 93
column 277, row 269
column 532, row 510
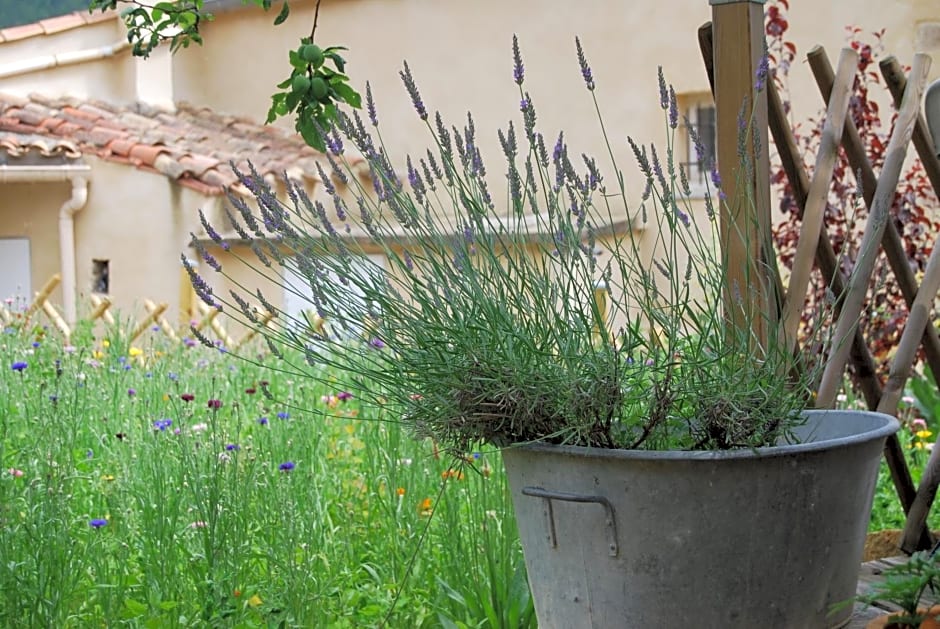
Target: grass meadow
column 165, row 485
column 172, row 485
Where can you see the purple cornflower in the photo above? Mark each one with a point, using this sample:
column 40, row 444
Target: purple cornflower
column 19, row 366
column 97, row 523
column 35, row 343
column 343, row 396
column 190, row 342
column 162, row 424
column 287, row 466
column 173, row 376
column 409, row 82
column 262, row 420
column 131, row 392
column 232, row 447
column 214, row 404
column 283, row 415
column 585, row 68
column 518, row 70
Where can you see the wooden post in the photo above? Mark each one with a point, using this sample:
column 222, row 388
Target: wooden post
column 744, row 166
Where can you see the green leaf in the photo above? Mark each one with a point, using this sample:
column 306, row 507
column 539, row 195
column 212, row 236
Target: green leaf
column 308, row 131
column 348, row 94
column 337, row 60
column 285, row 11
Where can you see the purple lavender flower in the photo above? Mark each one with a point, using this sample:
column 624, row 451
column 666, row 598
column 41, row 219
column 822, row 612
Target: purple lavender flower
column 663, row 93
column 762, row 70
column 370, row 106
column 673, row 109
column 19, row 366
column 585, row 68
column 409, row 82
column 518, row 70
column 97, row 523
column 287, row 466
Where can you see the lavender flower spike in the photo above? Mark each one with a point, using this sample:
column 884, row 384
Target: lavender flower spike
column 585, row 68
column 370, row 106
column 409, row 82
column 663, row 94
column 518, row 70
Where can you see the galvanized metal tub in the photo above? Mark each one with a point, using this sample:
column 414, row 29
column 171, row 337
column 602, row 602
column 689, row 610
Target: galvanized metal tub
column 771, row 537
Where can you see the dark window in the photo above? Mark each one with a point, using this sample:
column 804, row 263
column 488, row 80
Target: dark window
column 701, row 129
column 100, row 276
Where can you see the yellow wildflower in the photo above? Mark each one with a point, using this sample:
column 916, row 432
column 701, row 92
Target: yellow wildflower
column 134, row 352
column 923, row 434
column 255, row 600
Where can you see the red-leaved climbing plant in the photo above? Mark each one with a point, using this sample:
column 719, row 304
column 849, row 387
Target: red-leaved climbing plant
column 915, row 207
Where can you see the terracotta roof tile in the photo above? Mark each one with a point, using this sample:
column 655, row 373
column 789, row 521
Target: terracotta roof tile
column 61, row 23
column 192, row 145
column 19, row 145
column 21, row 32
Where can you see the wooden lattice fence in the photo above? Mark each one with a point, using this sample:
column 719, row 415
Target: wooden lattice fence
column 815, row 248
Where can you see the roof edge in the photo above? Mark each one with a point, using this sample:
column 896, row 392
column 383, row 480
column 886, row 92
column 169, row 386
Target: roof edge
column 57, row 24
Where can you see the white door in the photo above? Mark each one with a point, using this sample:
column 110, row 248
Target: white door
column 15, row 285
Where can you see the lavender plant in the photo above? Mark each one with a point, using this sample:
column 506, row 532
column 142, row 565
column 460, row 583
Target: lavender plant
column 502, row 320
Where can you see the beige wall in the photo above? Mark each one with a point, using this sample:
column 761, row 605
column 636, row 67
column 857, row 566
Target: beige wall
column 138, row 221
column 31, row 210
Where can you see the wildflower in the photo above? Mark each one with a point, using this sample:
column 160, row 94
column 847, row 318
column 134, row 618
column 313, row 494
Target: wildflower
column 232, row 447
column 173, row 376
column 400, row 492
column 106, row 343
column 134, row 352
column 107, row 477
column 237, row 593
column 919, row 424
column 251, row 390
column 131, row 392
column 329, row 400
column 19, row 366
column 187, row 397
column 162, row 424
column 15, row 473
column 199, row 427
column 370, row 106
column 377, row 343
column 283, row 415
column 262, row 420
column 214, row 404
column 69, row 349
column 923, row 434
column 200, row 524
column 287, row 466
column 908, row 399
column 425, row 507
column 344, row 396
column 255, row 600
column 190, row 342
column 97, row 523
column 35, row 344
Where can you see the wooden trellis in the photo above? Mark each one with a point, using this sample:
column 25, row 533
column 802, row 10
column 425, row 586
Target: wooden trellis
column 815, row 247
column 100, row 310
